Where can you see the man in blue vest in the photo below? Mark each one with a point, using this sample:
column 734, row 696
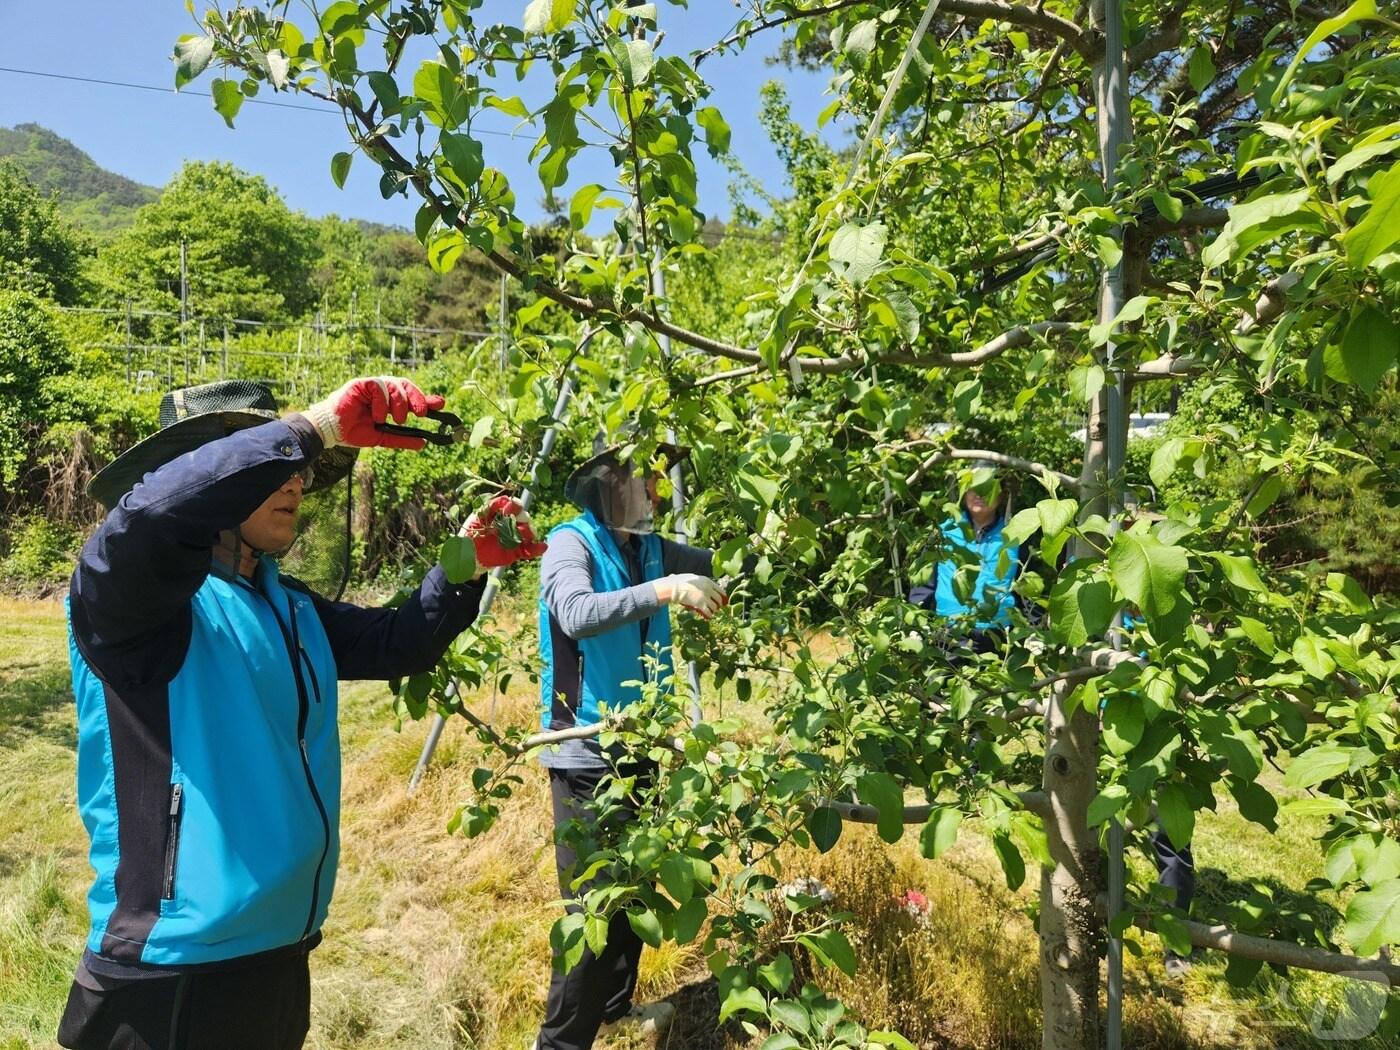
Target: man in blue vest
column 605, row 584
column 208, row 752
column 972, row 585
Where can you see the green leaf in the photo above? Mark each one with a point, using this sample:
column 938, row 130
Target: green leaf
column 481, row 430
column 1165, row 459
column 1080, row 610
column 858, row 250
column 860, row 41
column 1085, row 382
column 647, row 926
column 1175, row 814
column 1056, row 515
column 1173, row 933
column 1367, row 350
column 340, row 167
column 1357, row 11
column 1381, row 226
column 893, row 1039
column 940, row 831
column 1108, row 803
column 1349, row 591
column 791, row 1015
column 548, row 16
column 736, row 994
column 584, row 200
column 824, row 825
column 1259, row 634
column 1012, row 864
column 463, row 155
column 716, row 130
column 1151, row 573
column 690, row 916
column 832, row 949
column 1250, row 214
column 458, row 559
column 882, row 791
column 1239, row 571
column 778, row 974
column 445, row 248
column 1123, row 722
column 634, row 60
column 228, row 98
column 678, row 876
column 1311, row 653
column 1200, row 69
column 1373, row 918
column 1169, row 207
column 192, row 55
column 1321, row 763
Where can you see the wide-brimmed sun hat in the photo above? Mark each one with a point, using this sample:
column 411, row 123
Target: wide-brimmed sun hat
column 194, row 416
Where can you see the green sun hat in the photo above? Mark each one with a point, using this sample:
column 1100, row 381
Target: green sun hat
column 196, row 415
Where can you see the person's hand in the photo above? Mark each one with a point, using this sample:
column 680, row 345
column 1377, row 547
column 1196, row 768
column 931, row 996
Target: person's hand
column 502, row 534
column 348, row 416
column 699, row 594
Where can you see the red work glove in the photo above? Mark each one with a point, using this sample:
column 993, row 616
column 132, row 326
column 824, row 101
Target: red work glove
column 502, row 534
column 348, row 416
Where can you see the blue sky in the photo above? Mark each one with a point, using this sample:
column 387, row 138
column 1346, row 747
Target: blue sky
column 147, row 135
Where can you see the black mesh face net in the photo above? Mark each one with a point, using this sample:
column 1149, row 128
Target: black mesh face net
column 616, row 496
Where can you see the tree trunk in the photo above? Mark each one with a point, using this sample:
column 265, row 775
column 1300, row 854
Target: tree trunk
column 1071, row 930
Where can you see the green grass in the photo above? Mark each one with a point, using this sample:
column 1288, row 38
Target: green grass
column 434, row 943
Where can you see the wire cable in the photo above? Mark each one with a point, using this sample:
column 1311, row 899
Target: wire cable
column 203, row 94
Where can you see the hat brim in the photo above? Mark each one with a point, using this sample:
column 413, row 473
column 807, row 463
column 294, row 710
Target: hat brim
column 125, row 472
column 674, row 454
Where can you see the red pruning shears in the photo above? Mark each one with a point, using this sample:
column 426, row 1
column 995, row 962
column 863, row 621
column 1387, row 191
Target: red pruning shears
column 450, row 429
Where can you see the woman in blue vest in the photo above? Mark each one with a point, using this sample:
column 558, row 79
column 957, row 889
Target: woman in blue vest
column 605, row 584
column 972, row 585
column 205, row 681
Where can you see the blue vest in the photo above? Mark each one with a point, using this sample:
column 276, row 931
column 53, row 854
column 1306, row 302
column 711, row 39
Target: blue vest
column 240, row 852
column 607, row 668
column 997, row 572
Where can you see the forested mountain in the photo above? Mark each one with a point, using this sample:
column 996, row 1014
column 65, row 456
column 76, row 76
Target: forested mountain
column 99, row 200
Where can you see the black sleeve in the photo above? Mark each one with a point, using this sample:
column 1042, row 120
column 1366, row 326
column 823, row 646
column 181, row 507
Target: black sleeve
column 385, row 643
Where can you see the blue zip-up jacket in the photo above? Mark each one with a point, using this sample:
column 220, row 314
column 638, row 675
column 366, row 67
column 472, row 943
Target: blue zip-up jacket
column 581, row 674
column 208, row 752
column 999, row 564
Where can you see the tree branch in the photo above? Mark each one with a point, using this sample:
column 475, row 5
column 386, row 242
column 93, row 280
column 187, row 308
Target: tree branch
column 1286, row 953
column 1272, row 301
column 1040, row 470
column 772, row 23
column 1034, row 802
column 1027, row 17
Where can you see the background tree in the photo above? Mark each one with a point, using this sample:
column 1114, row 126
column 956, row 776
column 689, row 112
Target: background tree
column 248, row 255
column 39, row 252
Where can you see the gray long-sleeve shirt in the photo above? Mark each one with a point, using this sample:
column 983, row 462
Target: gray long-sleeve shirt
column 566, row 585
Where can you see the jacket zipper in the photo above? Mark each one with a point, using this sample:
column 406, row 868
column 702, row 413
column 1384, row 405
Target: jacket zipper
column 293, row 644
column 172, row 841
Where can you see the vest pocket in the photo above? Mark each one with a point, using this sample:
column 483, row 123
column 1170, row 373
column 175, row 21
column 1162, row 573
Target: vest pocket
column 172, row 841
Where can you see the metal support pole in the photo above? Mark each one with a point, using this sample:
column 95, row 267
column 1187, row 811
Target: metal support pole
column 505, row 330
column 1114, row 132
column 493, row 580
column 697, row 714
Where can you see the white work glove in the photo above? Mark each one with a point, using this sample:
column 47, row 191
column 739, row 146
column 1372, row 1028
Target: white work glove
column 698, row 593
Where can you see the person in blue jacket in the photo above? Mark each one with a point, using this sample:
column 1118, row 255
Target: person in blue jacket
column 978, row 606
column 605, row 584
column 205, row 682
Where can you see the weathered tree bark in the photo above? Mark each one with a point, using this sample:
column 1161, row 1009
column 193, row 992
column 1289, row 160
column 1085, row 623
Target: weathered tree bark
column 1071, row 930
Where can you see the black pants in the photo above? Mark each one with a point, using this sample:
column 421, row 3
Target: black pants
column 265, row 1006
column 599, row 987
column 1176, row 868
